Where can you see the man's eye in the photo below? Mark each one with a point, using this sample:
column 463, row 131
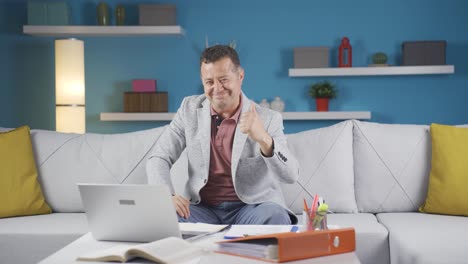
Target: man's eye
column 209, row 83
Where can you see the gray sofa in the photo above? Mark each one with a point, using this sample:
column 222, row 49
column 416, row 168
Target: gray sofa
column 373, row 176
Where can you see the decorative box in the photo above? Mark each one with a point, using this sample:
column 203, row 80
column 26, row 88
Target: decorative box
column 424, row 52
column 157, row 14
column 144, row 85
column 37, row 13
column 145, row 102
column 311, row 57
column 58, row 13
column 48, row 13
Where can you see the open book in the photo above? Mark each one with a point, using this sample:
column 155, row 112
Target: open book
column 167, row 250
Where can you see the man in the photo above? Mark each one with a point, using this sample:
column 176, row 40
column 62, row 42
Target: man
column 237, row 152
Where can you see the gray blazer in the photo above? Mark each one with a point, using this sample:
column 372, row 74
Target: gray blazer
column 256, row 178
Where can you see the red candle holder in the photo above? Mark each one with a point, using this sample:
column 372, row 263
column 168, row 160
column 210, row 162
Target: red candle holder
column 345, row 54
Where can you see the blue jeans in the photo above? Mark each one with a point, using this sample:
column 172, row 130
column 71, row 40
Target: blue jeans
column 238, row 213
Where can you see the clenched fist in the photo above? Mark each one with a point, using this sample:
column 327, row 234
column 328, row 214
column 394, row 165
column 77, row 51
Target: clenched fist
column 251, row 124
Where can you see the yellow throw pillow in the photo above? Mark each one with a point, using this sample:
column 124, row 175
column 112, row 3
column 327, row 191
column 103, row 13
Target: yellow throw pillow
column 20, row 193
column 448, row 181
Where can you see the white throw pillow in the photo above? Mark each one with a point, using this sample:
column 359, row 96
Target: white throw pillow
column 325, row 156
column 64, row 159
column 391, row 166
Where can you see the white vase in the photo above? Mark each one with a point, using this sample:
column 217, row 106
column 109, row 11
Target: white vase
column 277, row 104
column 264, row 103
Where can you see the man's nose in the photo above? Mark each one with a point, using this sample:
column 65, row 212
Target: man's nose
column 218, row 85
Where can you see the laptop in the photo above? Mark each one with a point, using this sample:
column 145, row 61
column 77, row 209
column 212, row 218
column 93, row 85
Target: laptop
column 136, row 213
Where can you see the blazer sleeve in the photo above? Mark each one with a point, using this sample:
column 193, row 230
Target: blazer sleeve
column 167, row 150
column 282, row 163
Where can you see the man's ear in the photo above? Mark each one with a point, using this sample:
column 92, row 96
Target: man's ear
column 241, row 73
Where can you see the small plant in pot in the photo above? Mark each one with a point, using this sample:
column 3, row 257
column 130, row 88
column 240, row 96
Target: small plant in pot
column 322, row 92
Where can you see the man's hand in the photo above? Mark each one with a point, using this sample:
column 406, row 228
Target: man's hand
column 181, row 205
column 251, row 124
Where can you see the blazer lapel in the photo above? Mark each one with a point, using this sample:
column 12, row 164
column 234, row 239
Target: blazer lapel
column 204, row 121
column 239, row 139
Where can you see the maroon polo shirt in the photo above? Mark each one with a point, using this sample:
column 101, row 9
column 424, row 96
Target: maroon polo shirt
column 219, row 187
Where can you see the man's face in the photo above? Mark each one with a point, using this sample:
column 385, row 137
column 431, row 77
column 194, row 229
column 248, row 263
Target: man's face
column 222, row 83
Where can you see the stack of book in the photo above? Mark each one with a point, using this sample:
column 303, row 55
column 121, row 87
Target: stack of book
column 144, row 98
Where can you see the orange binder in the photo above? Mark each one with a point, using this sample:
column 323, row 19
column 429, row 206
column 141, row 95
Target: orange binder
column 282, row 247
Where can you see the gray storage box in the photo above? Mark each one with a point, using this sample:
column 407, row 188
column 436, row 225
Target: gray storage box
column 37, row 13
column 424, row 52
column 58, row 13
column 157, row 14
column 48, row 13
column 311, row 57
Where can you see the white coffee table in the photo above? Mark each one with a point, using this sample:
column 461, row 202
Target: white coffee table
column 87, row 243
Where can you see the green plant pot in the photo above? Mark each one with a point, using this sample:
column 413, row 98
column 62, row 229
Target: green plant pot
column 322, row 104
column 379, row 58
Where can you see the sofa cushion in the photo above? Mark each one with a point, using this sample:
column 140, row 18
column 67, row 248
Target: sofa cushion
column 67, row 159
column 20, row 191
column 449, row 173
column 391, row 166
column 32, row 238
column 325, row 157
column 371, row 236
column 418, row 238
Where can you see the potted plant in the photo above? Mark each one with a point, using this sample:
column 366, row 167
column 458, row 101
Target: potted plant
column 322, row 92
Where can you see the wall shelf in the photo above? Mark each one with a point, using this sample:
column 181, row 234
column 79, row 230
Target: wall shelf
column 286, row 116
column 338, row 115
column 101, row 31
column 136, row 116
column 373, row 71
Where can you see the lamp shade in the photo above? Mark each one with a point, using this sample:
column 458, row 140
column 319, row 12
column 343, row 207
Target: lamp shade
column 70, row 119
column 70, row 86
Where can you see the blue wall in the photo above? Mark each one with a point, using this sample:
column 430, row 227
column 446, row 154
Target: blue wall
column 266, row 33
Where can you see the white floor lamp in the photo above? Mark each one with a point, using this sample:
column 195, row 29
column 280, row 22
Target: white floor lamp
column 70, row 110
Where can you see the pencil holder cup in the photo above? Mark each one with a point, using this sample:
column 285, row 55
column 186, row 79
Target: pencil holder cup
column 317, row 222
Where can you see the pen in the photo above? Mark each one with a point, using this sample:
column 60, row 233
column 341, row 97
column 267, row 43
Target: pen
column 313, row 209
column 306, row 210
column 306, row 216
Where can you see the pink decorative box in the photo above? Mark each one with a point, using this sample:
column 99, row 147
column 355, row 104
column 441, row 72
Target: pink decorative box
column 144, row 85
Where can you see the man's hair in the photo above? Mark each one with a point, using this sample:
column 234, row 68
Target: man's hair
column 217, row 52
